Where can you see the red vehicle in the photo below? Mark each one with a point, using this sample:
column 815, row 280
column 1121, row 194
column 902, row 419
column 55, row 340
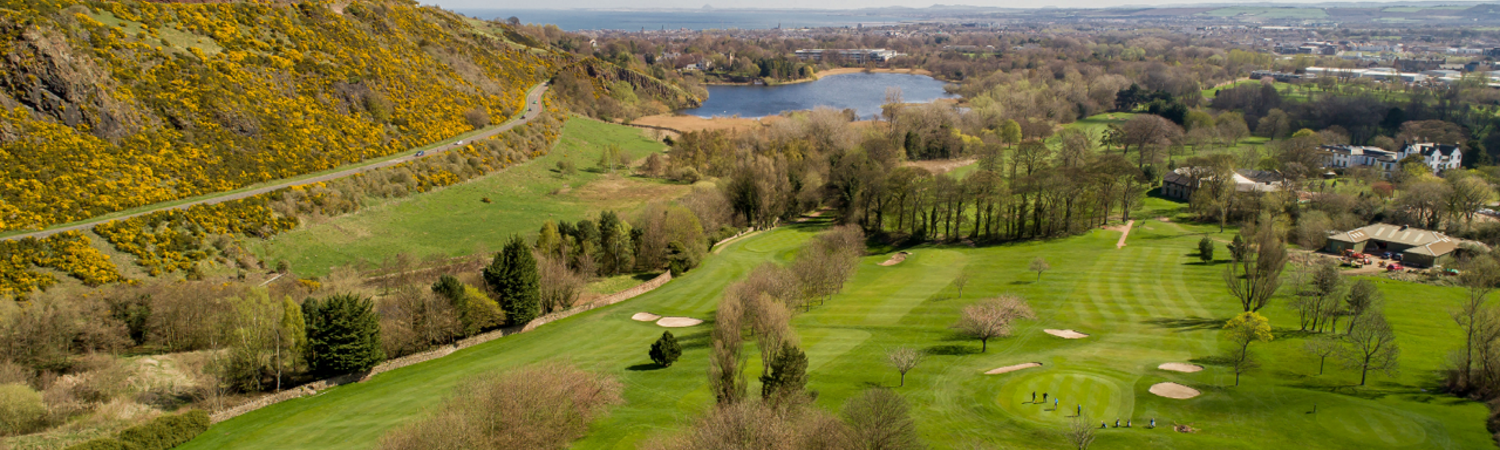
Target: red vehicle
column 1394, row 268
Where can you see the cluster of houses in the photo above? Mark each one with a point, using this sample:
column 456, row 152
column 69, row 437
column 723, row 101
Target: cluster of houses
column 1438, row 157
column 1415, row 247
column 857, row 55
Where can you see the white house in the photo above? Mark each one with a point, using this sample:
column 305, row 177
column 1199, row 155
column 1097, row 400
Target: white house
column 1345, row 156
column 1439, row 157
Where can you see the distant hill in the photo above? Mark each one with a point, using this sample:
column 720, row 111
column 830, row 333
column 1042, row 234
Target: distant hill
column 110, row 105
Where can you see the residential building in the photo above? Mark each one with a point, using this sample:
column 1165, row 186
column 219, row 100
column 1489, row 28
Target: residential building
column 1346, row 156
column 1179, row 184
column 858, row 55
column 1439, row 157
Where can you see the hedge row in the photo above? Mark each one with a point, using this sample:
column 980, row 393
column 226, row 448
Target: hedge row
column 161, row 433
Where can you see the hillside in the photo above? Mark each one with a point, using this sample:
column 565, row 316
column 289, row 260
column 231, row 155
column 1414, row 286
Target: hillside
column 108, row 106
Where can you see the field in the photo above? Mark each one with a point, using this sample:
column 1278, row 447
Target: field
column 1149, row 303
column 456, row 221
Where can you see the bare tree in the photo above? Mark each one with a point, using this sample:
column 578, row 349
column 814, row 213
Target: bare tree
column 1322, row 348
column 880, row 419
column 725, row 371
column 1039, row 265
column 1254, row 272
column 960, row 281
column 1371, row 346
column 904, row 359
column 992, row 318
column 1480, row 277
column 1081, row 432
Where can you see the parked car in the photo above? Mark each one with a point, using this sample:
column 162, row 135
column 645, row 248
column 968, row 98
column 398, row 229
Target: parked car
column 1394, row 267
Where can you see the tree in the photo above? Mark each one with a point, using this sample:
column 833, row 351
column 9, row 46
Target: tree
column 1241, row 331
column 1480, row 277
column 1363, row 296
column 904, row 359
column 291, row 338
column 725, row 374
column 476, row 311
column 960, row 281
column 477, row 117
column 343, row 334
column 1254, row 274
column 615, row 244
column 513, row 276
column 787, row 377
column 1206, row 249
column 1010, row 132
column 1371, row 345
column 1081, row 432
column 880, row 419
column 665, row 350
column 1039, row 265
column 1322, row 348
column 992, row 318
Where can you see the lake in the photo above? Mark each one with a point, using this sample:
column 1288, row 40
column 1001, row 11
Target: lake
column 863, row 92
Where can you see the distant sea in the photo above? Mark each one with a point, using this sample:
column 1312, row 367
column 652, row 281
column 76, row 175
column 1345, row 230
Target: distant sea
column 635, row 20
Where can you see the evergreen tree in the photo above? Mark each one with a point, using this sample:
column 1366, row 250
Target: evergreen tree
column 514, row 278
column 788, row 375
column 343, row 334
column 1206, row 249
column 666, row 350
column 615, row 244
column 476, row 311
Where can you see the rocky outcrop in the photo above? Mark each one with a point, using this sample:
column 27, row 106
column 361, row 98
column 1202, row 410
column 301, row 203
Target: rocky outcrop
column 41, row 71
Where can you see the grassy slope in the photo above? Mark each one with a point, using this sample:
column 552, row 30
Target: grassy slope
column 1146, row 304
column 454, row 221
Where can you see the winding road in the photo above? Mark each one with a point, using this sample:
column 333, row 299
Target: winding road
column 532, row 111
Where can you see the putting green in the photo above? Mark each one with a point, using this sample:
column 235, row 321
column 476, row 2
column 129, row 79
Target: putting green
column 1102, row 397
column 1371, row 425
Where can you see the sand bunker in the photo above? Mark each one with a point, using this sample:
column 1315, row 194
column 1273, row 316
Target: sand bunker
column 645, row 317
column 678, row 322
column 1174, row 390
column 896, row 259
column 1008, row 369
column 1181, row 367
column 1066, row 334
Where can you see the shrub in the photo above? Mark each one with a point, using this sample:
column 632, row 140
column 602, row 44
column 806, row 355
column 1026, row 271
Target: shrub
column 165, row 432
column 665, row 351
column 21, row 410
column 537, row 407
column 161, row 433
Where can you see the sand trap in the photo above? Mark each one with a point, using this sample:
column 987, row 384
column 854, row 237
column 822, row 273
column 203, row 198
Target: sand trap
column 1009, row 369
column 1181, row 367
column 1174, row 390
column 678, row 322
column 645, row 317
column 1066, row 334
column 896, row 259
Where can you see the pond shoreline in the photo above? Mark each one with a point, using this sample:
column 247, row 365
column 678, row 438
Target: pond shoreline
column 852, row 88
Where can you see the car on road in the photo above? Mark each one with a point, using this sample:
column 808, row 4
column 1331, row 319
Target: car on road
column 459, row 143
column 421, row 152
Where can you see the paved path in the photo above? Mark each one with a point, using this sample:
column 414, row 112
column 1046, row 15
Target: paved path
column 533, row 105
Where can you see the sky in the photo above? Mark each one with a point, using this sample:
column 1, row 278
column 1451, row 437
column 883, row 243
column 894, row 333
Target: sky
column 807, row 4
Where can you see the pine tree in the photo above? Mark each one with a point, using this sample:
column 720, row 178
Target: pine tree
column 514, row 278
column 788, row 375
column 343, row 334
column 1206, row 249
column 666, row 350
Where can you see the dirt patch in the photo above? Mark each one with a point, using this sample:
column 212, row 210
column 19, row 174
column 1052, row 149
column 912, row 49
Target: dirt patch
column 1181, row 367
column 645, row 317
column 1174, row 390
column 1013, row 368
column 686, row 123
column 1124, row 232
column 940, row 166
column 1066, row 334
column 678, row 322
column 896, row 259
